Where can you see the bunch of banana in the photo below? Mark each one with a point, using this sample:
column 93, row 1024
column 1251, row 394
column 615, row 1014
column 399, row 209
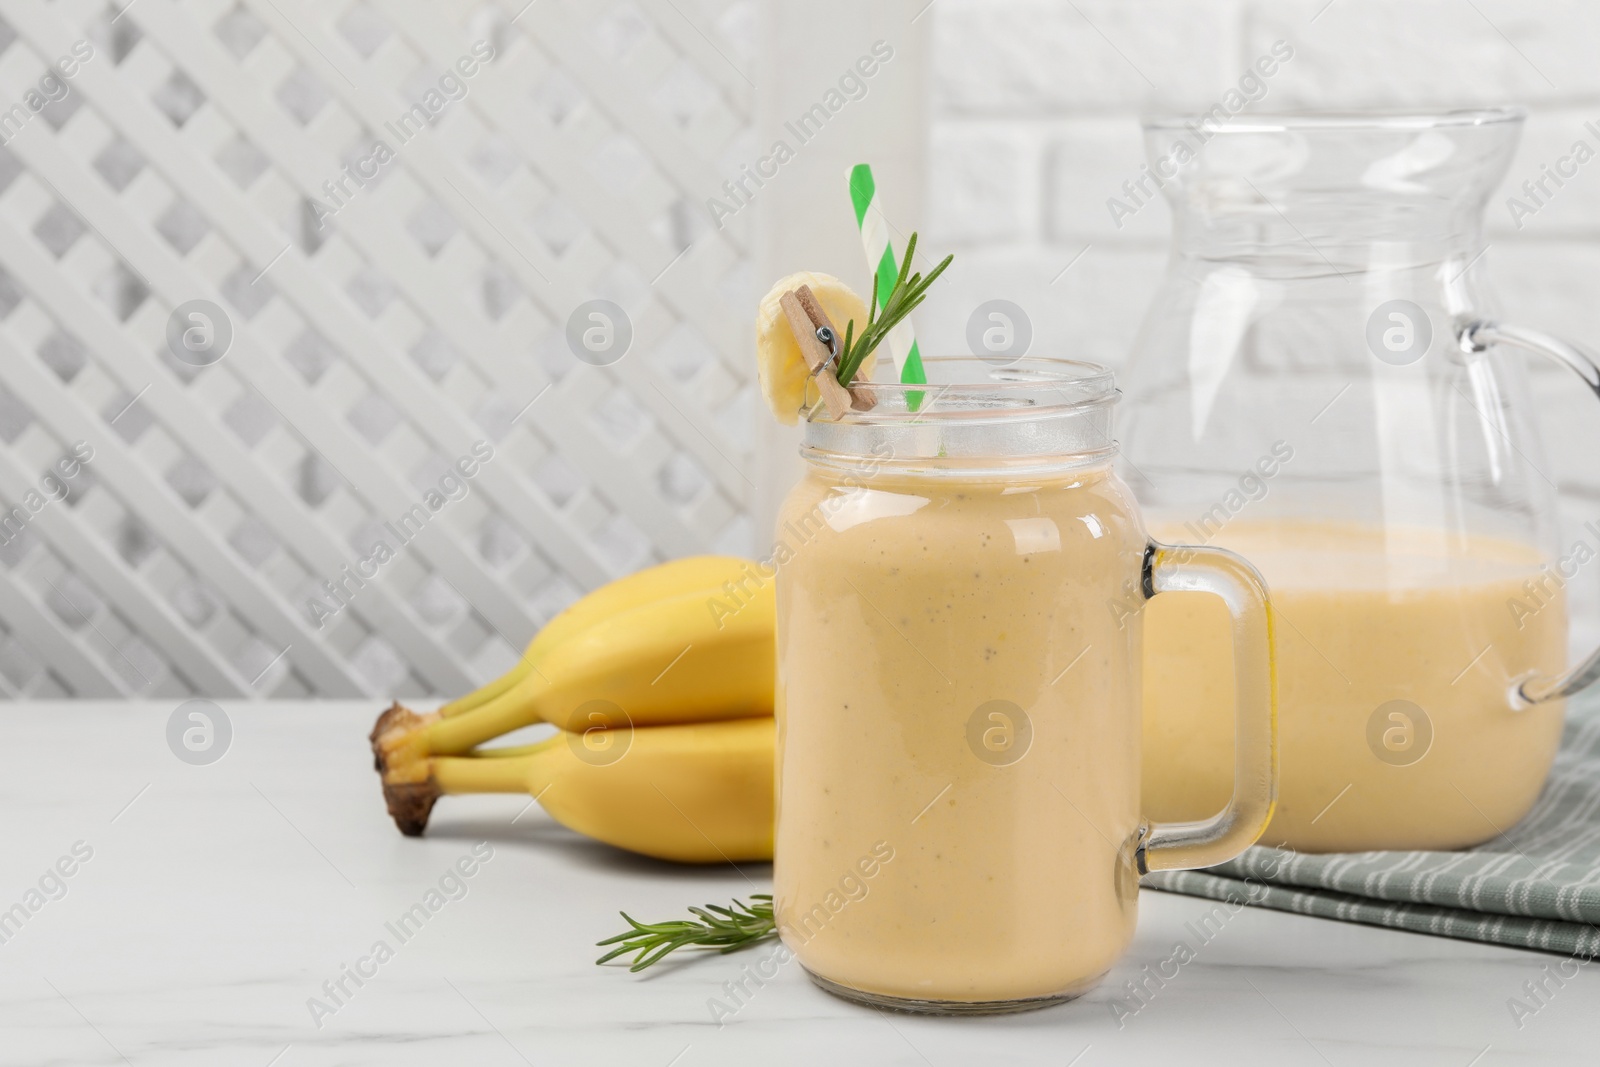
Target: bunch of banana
column 661, row 684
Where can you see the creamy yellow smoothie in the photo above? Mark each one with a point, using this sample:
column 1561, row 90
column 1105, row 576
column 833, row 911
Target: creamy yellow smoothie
column 958, row 730
column 1396, row 651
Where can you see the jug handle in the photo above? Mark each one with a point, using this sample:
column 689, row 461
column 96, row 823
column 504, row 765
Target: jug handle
column 1207, row 842
column 1476, row 336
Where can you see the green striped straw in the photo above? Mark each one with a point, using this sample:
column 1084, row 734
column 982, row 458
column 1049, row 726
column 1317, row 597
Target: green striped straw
column 881, row 258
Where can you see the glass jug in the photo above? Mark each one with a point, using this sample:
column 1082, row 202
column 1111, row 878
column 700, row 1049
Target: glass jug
column 960, row 594
column 1321, row 385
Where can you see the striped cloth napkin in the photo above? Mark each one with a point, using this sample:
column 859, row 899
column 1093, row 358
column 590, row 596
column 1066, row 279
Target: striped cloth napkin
column 1537, row 886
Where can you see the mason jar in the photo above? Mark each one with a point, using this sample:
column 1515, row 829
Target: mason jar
column 961, row 584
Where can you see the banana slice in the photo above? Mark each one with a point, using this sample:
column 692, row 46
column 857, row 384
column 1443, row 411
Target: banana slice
column 785, row 378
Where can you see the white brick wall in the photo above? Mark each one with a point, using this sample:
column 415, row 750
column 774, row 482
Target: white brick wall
column 1392, row 53
column 1035, row 125
column 1043, row 58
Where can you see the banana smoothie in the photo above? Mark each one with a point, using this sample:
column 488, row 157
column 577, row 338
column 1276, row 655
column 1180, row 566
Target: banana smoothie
column 1439, row 761
column 958, row 730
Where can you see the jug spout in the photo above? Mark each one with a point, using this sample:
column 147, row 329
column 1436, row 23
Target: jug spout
column 1329, row 186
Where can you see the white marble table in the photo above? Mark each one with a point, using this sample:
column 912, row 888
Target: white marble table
column 218, row 899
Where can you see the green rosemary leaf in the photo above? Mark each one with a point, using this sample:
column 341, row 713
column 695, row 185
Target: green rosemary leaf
column 908, row 292
column 724, row 929
column 614, row 953
column 911, row 255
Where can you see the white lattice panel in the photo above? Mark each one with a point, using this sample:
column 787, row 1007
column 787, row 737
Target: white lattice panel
column 380, row 332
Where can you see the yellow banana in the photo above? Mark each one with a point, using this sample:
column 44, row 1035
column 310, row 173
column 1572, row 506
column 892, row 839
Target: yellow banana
column 666, row 579
column 690, row 793
column 683, row 642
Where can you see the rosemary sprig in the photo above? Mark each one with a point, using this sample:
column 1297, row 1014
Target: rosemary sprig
column 724, row 929
column 907, row 293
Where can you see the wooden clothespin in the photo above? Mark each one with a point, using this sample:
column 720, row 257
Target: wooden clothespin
column 807, row 321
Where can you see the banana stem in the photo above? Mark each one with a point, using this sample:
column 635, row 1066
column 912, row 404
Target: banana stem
column 511, row 710
column 483, row 694
column 464, row 774
column 507, row 752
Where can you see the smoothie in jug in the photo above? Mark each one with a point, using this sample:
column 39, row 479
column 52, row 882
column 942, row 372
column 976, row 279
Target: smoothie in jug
column 1328, row 292
column 1397, row 655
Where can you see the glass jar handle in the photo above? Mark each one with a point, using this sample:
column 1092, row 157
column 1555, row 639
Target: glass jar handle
column 1476, row 336
column 1205, row 842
